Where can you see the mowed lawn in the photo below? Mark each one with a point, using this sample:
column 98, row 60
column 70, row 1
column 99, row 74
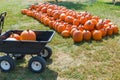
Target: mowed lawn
column 87, row 60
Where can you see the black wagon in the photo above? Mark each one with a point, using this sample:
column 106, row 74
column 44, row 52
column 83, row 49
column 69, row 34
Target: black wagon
column 14, row 49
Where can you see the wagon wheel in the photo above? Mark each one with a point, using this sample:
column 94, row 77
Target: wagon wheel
column 7, row 63
column 46, row 52
column 18, row 56
column 37, row 64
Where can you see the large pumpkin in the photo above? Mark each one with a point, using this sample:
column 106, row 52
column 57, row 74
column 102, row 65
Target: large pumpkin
column 77, row 36
column 28, row 35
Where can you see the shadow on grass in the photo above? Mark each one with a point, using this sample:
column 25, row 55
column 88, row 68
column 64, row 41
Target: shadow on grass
column 89, row 42
column 70, row 5
column 23, row 73
column 116, row 4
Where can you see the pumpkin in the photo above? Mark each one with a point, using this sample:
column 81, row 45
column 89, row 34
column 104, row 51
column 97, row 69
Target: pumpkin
column 115, row 29
column 104, row 32
column 69, row 19
column 76, row 22
column 109, row 30
column 65, row 33
column 83, row 19
column 77, row 36
column 44, row 10
column 72, row 31
column 89, row 25
column 51, row 23
column 24, row 11
column 96, row 18
column 63, row 16
column 61, row 27
column 46, row 21
column 16, row 36
column 106, row 21
column 99, row 25
column 80, row 27
column 27, row 35
column 49, row 12
column 86, row 35
column 97, row 35
column 56, row 15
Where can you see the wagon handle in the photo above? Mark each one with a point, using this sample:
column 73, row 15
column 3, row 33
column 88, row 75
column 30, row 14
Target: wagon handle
column 2, row 17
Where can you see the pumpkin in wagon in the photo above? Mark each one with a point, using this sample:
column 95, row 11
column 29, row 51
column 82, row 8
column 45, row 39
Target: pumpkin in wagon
column 28, row 35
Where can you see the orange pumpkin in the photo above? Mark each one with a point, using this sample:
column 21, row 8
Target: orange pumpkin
column 69, row 19
column 72, row 31
column 115, row 29
column 77, row 36
column 65, row 33
column 86, row 35
column 109, row 30
column 49, row 12
column 99, row 25
column 96, row 18
column 16, row 36
column 44, row 10
column 76, row 22
column 63, row 16
column 97, row 35
column 89, row 25
column 46, row 21
column 24, row 11
column 61, row 28
column 51, row 24
column 83, row 19
column 27, row 35
column 104, row 32
column 80, row 27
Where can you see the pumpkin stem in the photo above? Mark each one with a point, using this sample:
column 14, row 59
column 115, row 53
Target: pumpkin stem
column 12, row 34
column 28, row 30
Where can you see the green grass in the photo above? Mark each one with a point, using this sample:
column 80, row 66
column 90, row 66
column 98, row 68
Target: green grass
column 92, row 60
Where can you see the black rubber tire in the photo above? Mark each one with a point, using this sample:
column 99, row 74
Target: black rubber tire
column 7, row 64
column 18, row 56
column 46, row 52
column 37, row 64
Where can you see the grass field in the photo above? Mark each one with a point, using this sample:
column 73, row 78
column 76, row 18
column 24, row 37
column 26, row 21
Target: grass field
column 92, row 60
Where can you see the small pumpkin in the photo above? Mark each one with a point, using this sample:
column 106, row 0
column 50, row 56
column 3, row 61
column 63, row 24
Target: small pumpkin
column 28, row 35
column 16, row 36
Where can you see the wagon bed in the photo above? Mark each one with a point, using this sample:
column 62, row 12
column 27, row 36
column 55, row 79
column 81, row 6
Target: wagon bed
column 25, row 46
